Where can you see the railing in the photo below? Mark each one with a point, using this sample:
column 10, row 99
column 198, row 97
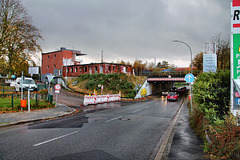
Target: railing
column 167, row 73
column 12, row 101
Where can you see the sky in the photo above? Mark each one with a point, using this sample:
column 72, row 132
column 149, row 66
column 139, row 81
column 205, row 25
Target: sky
column 130, row 30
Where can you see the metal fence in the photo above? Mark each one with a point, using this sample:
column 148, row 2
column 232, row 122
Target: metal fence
column 12, row 101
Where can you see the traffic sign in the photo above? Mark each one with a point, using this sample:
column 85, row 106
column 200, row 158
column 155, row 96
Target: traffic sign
column 50, row 77
column 57, row 87
column 189, row 78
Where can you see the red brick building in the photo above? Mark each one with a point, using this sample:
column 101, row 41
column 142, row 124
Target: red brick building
column 66, row 60
column 105, row 68
column 52, row 62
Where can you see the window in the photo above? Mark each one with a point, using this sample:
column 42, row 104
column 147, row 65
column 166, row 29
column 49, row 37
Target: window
column 54, row 66
column 48, row 67
column 71, row 70
column 48, row 57
column 85, row 69
column 101, row 69
column 80, row 69
column 54, row 56
column 95, row 68
column 76, row 70
column 109, row 68
column 67, row 70
column 114, row 68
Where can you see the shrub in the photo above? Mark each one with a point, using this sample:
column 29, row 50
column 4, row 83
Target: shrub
column 212, row 91
column 211, row 118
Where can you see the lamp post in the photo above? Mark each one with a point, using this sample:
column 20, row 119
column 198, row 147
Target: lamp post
column 65, row 64
column 191, row 67
column 190, row 52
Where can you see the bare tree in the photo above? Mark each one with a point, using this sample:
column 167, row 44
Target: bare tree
column 223, row 51
column 198, row 61
column 18, row 37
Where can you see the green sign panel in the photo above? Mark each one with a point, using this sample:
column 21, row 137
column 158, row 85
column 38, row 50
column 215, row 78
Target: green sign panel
column 236, row 56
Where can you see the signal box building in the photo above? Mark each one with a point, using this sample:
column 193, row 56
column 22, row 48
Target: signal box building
column 66, row 63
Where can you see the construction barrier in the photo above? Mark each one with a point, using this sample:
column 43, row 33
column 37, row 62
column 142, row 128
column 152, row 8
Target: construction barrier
column 95, row 99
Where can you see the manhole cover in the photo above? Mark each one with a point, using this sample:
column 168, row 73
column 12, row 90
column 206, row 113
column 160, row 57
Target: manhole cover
column 124, row 119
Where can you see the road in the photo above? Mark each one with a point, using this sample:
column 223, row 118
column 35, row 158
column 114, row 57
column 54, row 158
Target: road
column 126, row 132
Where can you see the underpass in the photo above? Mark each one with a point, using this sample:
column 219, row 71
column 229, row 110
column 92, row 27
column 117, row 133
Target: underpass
column 153, row 85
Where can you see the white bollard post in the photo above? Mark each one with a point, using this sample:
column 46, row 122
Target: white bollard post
column 28, row 100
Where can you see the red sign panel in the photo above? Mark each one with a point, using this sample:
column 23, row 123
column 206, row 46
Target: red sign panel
column 236, row 3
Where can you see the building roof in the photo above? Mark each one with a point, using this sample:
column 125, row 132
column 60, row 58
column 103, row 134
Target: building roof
column 98, row 64
column 78, row 53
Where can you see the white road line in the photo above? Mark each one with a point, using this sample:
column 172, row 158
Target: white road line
column 137, row 110
column 50, row 140
column 113, row 119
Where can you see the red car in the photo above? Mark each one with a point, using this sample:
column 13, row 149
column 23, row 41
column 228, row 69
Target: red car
column 172, row 96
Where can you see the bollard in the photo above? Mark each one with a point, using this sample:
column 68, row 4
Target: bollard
column 12, row 101
column 36, row 100
column 51, row 99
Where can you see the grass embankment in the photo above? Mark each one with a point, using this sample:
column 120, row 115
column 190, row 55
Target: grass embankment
column 112, row 84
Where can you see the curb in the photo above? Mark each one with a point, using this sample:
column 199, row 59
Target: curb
column 165, row 142
column 7, row 124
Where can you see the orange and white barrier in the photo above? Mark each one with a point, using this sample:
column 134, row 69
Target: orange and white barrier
column 95, row 99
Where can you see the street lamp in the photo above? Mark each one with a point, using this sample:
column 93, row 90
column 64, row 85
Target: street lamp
column 190, row 52
column 191, row 67
column 65, row 64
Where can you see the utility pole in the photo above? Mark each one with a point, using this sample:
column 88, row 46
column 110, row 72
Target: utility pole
column 102, row 57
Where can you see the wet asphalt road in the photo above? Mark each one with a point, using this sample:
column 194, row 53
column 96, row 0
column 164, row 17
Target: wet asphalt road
column 124, row 132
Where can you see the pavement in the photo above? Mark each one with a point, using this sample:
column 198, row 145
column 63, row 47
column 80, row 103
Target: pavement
column 185, row 144
column 7, row 119
column 182, row 142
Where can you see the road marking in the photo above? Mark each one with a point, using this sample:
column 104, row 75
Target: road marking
column 148, row 107
column 137, row 110
column 113, row 119
column 50, row 140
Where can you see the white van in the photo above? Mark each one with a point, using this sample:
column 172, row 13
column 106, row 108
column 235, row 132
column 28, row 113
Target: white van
column 28, row 84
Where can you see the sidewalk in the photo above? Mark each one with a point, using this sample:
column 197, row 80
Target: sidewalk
column 7, row 119
column 185, row 144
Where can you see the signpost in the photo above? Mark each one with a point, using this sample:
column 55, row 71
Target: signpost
column 209, row 62
column 57, row 90
column 235, row 56
column 189, row 78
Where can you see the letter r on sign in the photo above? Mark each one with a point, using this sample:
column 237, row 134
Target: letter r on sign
column 236, row 15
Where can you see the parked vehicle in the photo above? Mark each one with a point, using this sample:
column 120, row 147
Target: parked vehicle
column 172, row 96
column 27, row 84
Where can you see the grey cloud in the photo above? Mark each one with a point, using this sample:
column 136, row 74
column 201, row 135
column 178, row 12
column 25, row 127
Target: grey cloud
column 129, row 28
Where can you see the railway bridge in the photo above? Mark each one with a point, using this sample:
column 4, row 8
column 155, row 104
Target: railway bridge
column 155, row 84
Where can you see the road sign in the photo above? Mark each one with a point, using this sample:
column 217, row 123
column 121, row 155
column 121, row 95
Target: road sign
column 50, row 77
column 189, row 78
column 235, row 56
column 57, row 87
